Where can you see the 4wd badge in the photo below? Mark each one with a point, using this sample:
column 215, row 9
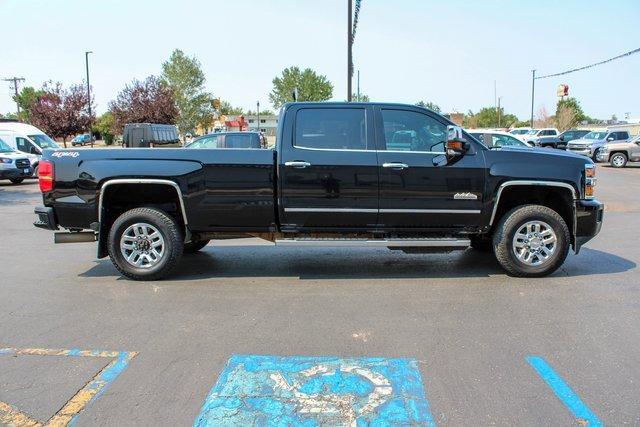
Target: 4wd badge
column 465, row 196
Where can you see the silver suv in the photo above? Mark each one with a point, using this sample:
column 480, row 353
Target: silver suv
column 619, row 153
column 589, row 144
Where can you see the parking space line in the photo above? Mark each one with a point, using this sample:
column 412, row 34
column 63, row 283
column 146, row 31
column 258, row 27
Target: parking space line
column 563, row 392
column 83, row 398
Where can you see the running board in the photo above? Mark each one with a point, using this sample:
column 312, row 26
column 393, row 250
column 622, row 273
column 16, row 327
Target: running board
column 385, row 243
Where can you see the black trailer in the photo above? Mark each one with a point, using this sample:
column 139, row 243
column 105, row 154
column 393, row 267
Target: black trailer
column 145, row 135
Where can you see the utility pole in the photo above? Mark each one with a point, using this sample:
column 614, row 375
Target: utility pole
column 533, row 92
column 349, row 45
column 495, row 94
column 499, row 98
column 258, row 114
column 15, row 81
column 358, row 88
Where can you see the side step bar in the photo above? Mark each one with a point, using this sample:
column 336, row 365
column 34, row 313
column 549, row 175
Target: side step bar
column 75, row 237
column 385, row 243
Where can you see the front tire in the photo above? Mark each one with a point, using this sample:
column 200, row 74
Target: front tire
column 145, row 244
column 618, row 160
column 531, row 241
column 194, row 246
column 16, row 180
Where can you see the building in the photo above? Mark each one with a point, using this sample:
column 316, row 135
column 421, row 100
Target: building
column 268, row 123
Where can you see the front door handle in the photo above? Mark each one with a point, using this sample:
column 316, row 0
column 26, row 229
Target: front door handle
column 398, row 166
column 297, row 164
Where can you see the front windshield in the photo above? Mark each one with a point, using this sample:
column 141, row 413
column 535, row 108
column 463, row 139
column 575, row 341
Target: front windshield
column 595, row 135
column 4, row 148
column 519, row 131
column 43, row 141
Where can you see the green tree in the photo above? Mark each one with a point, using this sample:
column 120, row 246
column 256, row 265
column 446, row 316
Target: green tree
column 27, row 96
column 183, row 74
column 310, row 86
column 574, row 108
column 430, row 105
column 105, row 125
column 362, row 98
column 227, row 109
column 487, row 117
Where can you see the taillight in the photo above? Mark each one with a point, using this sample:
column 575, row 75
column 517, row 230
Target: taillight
column 45, row 176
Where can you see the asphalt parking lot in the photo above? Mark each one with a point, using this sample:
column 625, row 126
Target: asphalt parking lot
column 450, row 338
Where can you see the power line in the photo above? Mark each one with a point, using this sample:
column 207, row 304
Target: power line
column 591, row 65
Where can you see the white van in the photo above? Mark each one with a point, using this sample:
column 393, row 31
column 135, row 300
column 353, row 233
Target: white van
column 27, row 139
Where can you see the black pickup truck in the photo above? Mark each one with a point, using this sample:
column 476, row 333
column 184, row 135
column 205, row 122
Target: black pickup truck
column 342, row 174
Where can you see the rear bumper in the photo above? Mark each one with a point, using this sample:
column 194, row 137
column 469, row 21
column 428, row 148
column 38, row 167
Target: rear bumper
column 589, row 215
column 46, row 218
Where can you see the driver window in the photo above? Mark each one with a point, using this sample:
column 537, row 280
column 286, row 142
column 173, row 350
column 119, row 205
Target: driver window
column 23, row 145
column 412, row 131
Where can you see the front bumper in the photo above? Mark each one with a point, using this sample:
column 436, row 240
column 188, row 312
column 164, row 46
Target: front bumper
column 589, row 215
column 579, row 150
column 46, row 218
column 15, row 173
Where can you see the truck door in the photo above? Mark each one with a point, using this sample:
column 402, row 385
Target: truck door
column 418, row 188
column 327, row 168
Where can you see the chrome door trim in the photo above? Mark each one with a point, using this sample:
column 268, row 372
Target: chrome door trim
column 297, row 164
column 432, row 211
column 525, row 183
column 395, row 165
column 142, row 181
column 331, row 210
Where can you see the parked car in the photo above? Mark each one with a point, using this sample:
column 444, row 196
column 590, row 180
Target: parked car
column 561, row 140
column 27, row 139
column 14, row 166
column 619, row 153
column 227, row 140
column 517, row 132
column 533, row 135
column 418, row 183
column 497, row 139
column 147, row 135
column 85, row 138
column 589, row 144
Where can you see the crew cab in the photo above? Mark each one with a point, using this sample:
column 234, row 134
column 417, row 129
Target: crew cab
column 618, row 153
column 341, row 174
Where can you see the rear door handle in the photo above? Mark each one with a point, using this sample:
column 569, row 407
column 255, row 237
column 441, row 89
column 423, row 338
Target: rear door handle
column 398, row 166
column 297, row 164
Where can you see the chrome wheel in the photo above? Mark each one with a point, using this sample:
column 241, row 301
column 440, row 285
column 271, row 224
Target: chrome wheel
column 142, row 245
column 534, row 243
column 617, row 160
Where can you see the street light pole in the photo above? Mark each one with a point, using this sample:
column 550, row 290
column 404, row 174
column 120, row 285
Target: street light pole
column 258, row 111
column 533, row 92
column 86, row 62
column 349, row 43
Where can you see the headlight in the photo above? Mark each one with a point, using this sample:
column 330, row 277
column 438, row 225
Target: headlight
column 5, row 160
column 589, row 181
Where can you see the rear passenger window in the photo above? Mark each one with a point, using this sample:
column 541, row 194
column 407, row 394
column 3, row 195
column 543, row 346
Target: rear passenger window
column 331, row 128
column 240, row 141
column 412, row 131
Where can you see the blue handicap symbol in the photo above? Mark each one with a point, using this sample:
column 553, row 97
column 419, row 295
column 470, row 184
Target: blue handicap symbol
column 316, row 391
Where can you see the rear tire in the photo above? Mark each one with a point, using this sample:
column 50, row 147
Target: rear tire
column 618, row 160
column 145, row 244
column 16, row 180
column 194, row 246
column 531, row 241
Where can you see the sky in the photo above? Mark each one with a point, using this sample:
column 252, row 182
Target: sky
column 448, row 52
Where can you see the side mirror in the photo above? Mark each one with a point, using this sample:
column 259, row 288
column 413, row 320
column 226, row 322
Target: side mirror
column 561, row 137
column 456, row 145
column 34, row 150
column 610, row 138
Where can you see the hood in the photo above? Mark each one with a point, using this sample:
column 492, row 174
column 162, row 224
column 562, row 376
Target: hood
column 583, row 141
column 14, row 155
